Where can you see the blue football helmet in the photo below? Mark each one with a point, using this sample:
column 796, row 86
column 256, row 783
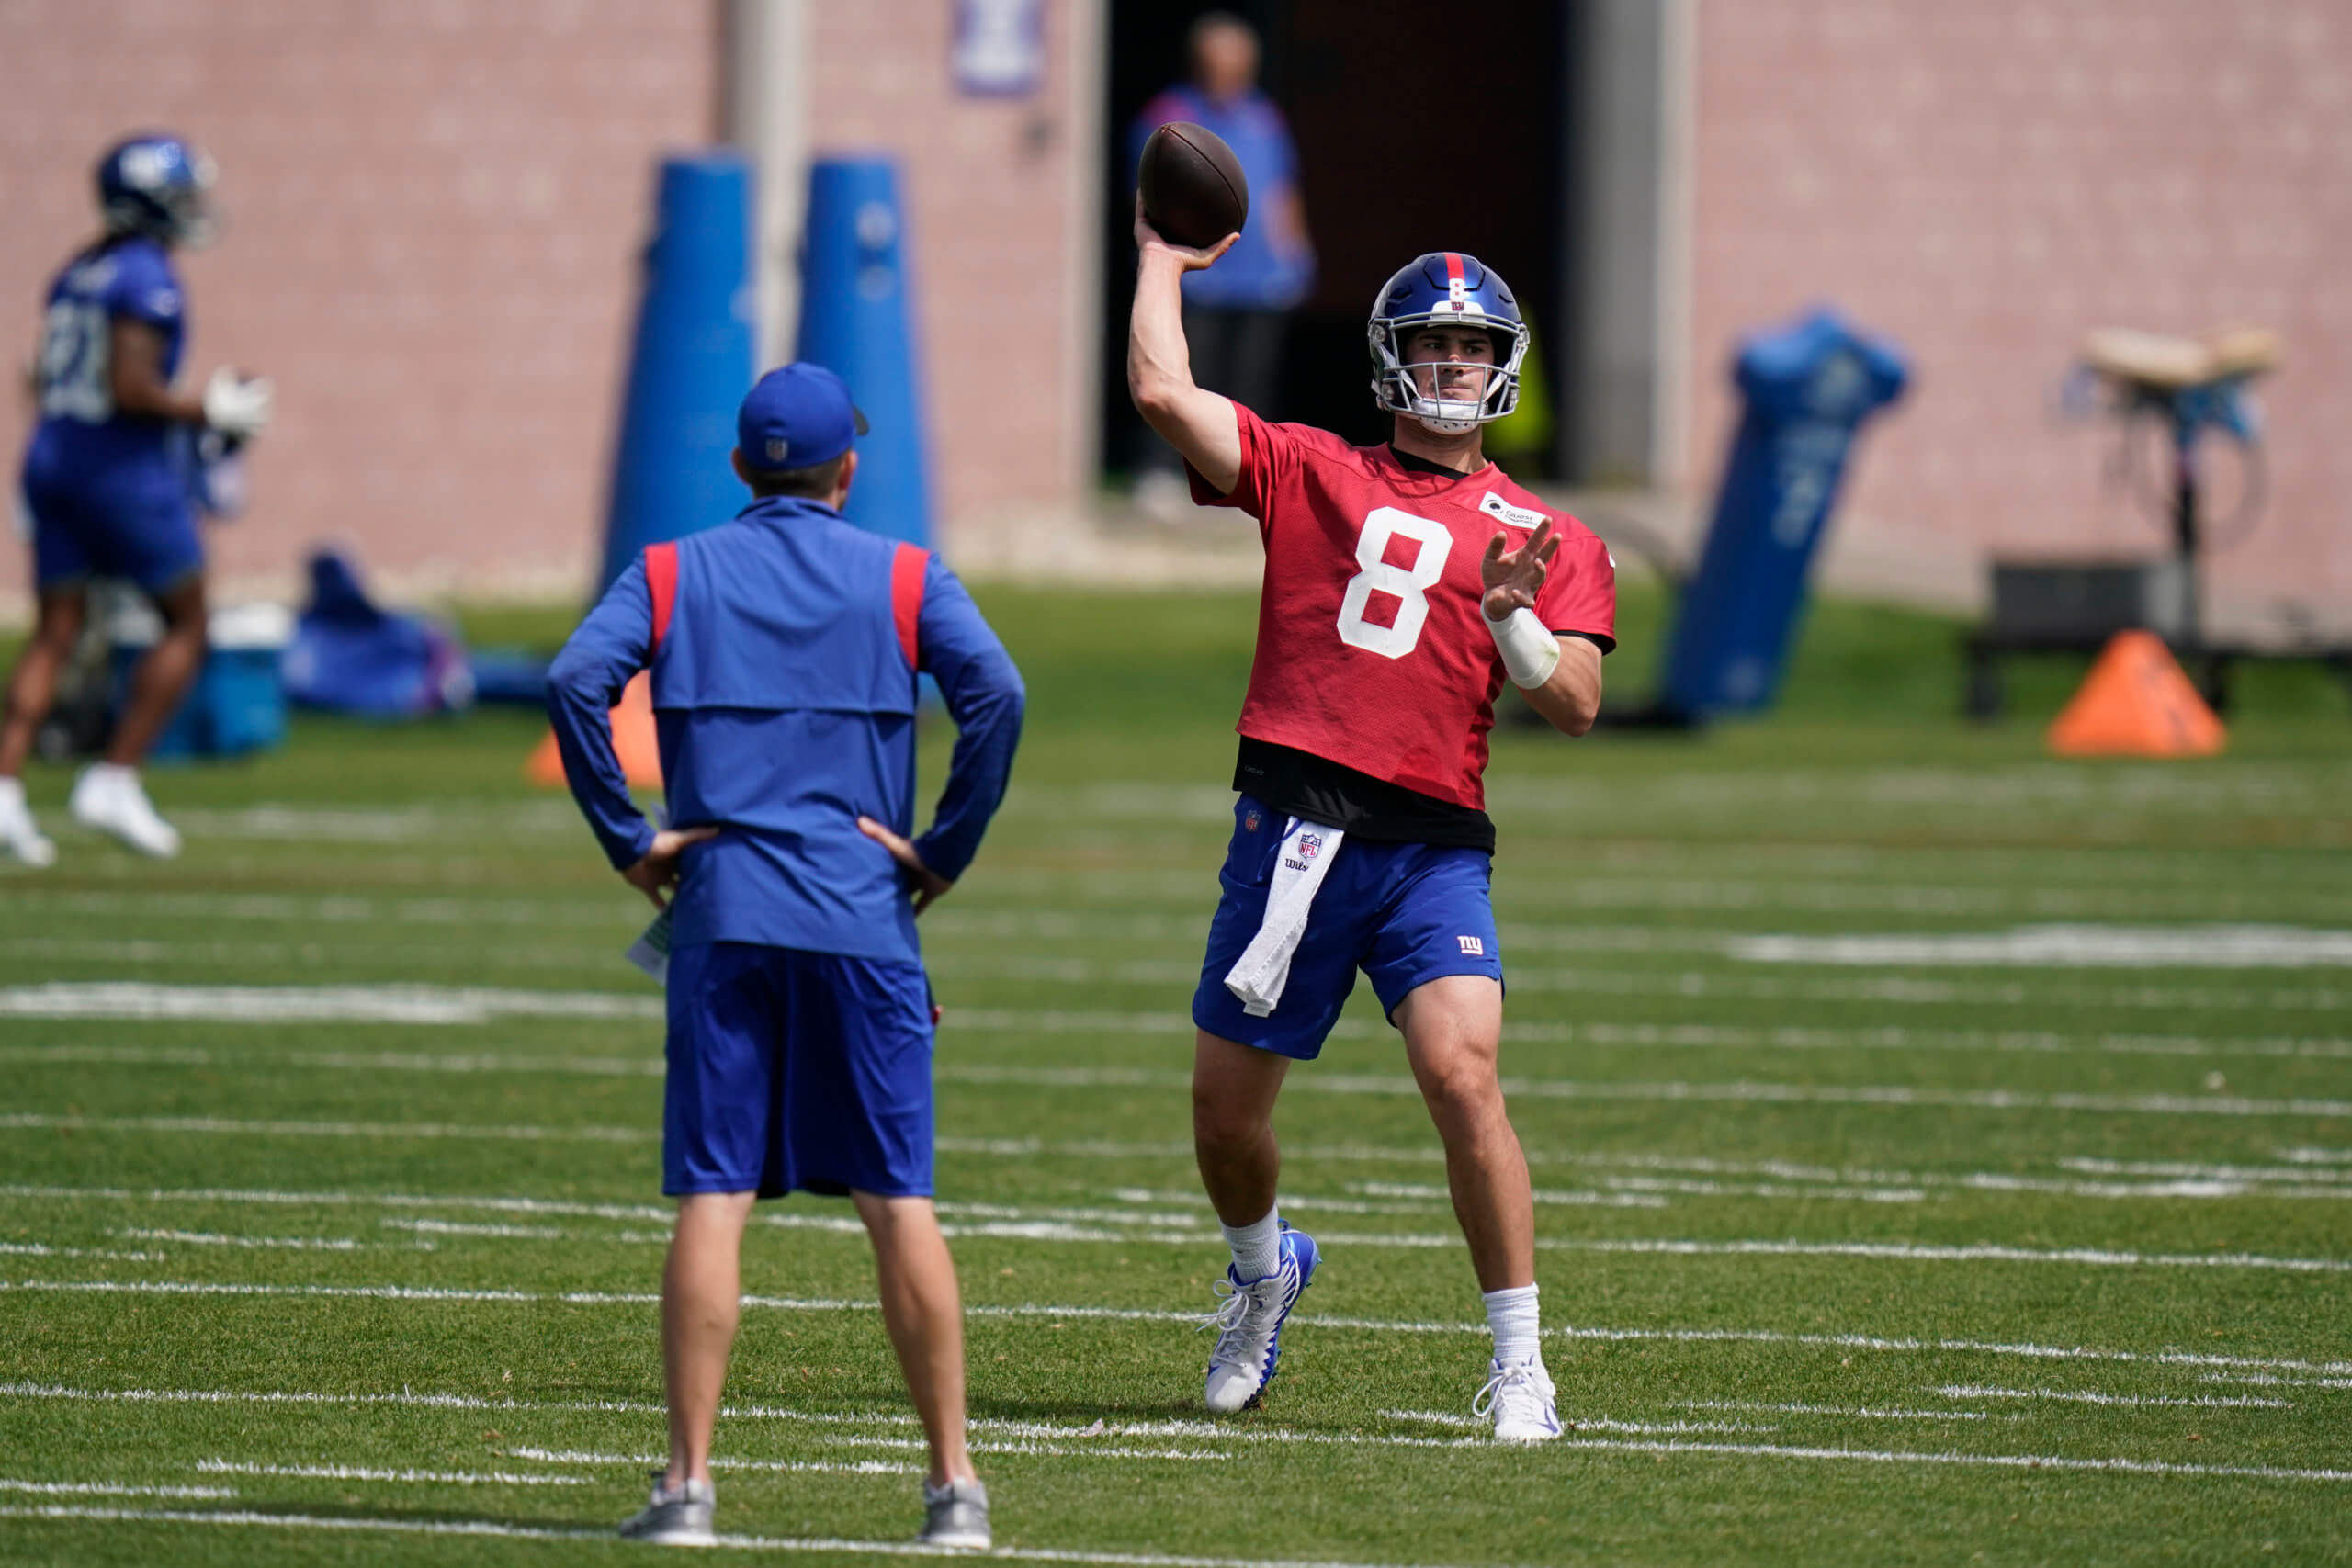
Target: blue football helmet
column 160, row 186
column 1445, row 288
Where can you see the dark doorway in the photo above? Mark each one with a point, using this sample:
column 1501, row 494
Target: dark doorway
column 1411, row 138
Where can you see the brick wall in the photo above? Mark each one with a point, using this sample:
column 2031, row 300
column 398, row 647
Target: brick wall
column 988, row 184
column 1984, row 182
column 433, row 214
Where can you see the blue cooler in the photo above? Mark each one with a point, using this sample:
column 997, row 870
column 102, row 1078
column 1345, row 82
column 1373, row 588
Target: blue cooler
column 237, row 704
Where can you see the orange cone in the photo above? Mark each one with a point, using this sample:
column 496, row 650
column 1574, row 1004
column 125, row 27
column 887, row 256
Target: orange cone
column 634, row 741
column 2136, row 703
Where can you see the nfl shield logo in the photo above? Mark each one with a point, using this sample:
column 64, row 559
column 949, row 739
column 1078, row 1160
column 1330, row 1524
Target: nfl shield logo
column 1309, row 846
column 1249, row 822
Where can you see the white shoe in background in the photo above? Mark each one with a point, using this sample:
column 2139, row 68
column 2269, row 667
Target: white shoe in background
column 110, row 799
column 19, row 835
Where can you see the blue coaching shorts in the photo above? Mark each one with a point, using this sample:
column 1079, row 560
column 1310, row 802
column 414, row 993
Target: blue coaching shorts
column 792, row 1070
column 143, row 532
column 1404, row 914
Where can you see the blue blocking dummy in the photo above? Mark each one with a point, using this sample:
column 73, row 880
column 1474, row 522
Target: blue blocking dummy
column 1806, row 390
column 856, row 304
column 691, row 361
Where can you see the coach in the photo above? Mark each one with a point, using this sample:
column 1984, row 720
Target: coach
column 784, row 648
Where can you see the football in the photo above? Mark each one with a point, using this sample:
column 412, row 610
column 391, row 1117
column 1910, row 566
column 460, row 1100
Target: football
column 1194, row 190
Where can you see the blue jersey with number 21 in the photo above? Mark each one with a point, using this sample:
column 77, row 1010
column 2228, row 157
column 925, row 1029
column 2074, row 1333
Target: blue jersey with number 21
column 82, row 440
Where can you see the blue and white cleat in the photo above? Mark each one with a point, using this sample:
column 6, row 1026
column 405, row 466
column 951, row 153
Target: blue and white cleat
column 1250, row 1326
column 1519, row 1398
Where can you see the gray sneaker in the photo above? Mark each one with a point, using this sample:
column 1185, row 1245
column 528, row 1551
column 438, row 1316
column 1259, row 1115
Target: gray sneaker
column 956, row 1515
column 679, row 1516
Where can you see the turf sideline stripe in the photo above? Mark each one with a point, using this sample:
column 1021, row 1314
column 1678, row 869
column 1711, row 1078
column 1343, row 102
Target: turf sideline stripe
column 737, row 1542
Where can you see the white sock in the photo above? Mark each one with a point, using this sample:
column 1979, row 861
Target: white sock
column 1517, row 1323
column 110, row 772
column 12, row 794
column 1257, row 1248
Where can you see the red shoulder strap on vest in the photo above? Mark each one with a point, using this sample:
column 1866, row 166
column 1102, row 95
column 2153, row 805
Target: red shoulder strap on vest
column 661, row 583
column 907, row 569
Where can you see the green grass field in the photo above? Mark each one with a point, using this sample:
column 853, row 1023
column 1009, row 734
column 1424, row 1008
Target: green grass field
column 1922, row 1177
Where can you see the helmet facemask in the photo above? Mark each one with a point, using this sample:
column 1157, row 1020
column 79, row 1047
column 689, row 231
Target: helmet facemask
column 165, row 197
column 1418, row 390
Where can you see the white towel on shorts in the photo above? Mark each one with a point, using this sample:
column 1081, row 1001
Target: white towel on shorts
column 1259, row 976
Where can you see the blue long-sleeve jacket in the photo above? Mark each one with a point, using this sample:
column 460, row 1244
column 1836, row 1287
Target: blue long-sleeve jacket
column 784, row 648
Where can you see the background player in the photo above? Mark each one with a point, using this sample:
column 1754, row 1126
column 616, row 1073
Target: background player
column 110, row 476
column 784, row 648
column 1403, row 583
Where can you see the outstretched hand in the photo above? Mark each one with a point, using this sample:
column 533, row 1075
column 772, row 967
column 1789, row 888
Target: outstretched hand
column 928, row 884
column 657, row 872
column 1193, row 258
column 1513, row 578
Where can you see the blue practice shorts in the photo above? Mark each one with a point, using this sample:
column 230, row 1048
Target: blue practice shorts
column 792, row 1070
column 143, row 532
column 1404, row 914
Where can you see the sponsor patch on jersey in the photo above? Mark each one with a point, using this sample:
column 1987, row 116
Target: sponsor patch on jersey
column 1520, row 516
column 1473, row 946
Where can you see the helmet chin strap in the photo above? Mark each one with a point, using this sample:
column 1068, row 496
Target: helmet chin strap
column 1442, row 427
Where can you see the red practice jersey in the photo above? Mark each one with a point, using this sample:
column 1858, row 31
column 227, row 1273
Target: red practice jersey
column 1373, row 653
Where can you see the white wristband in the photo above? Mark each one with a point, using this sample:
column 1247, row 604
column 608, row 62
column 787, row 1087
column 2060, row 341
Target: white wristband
column 1530, row 653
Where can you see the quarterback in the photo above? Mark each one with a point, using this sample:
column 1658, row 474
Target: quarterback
column 1404, row 581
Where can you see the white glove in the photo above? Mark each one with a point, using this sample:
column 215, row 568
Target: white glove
column 234, row 405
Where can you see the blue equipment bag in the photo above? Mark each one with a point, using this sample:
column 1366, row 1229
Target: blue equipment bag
column 352, row 656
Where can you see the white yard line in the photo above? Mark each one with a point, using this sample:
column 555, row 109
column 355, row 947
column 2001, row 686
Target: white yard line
column 213, row 1239
column 816, row 1466
column 340, row 1199
column 1844, row 1412
column 1920, row 991
column 112, row 1489
column 490, row 1528
column 459, row 1227
column 1576, row 1422
column 1849, row 1341
column 2064, row 947
column 140, row 1001
column 1154, row 1228
column 229, row 1127
column 335, row 909
column 43, row 1249
column 1995, row 1461
column 1398, row 1085
column 405, row 1477
column 2091, row 1397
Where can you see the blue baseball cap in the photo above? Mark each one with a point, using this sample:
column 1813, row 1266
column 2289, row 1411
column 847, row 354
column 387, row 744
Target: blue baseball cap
column 797, row 417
